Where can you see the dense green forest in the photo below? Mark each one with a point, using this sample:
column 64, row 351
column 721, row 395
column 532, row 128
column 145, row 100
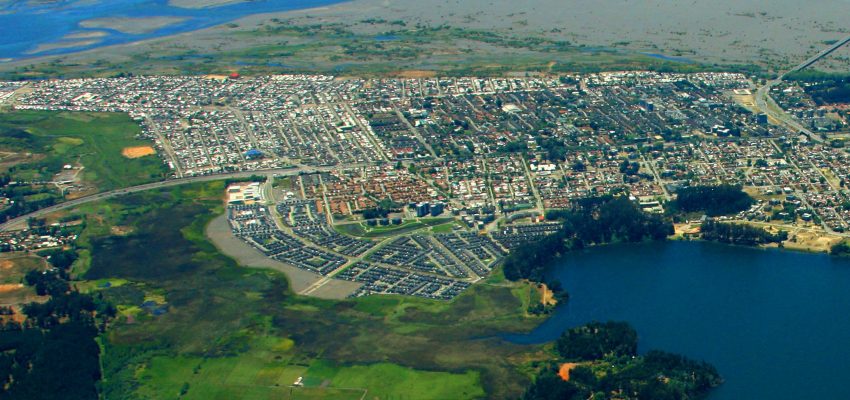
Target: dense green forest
column 608, row 367
column 597, row 340
column 841, row 248
column 739, row 234
column 713, row 200
column 592, row 221
column 54, row 353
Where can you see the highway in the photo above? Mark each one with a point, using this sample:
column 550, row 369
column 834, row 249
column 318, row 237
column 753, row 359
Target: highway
column 767, row 105
column 20, row 222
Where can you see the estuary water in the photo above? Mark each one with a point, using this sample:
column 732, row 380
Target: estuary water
column 775, row 323
column 35, row 27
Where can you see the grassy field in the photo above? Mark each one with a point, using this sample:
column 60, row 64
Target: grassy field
column 390, row 381
column 94, row 140
column 362, row 230
column 13, row 268
column 221, row 330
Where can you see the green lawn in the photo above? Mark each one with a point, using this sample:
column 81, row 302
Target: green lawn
column 263, row 373
column 391, row 381
column 362, row 230
column 93, row 139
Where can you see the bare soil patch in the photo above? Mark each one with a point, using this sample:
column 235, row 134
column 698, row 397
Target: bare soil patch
column 417, row 73
column 547, row 296
column 564, row 371
column 137, row 151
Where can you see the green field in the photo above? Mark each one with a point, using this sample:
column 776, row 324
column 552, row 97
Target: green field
column 360, row 229
column 390, row 381
column 237, row 332
column 94, row 140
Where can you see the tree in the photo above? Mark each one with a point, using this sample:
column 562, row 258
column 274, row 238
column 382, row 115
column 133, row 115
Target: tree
column 597, row 340
column 713, row 200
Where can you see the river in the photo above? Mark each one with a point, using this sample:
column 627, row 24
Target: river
column 25, row 25
column 775, row 323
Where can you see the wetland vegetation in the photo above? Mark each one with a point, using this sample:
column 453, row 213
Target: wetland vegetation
column 195, row 320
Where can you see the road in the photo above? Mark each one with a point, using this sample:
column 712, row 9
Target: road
column 767, row 105
column 20, row 222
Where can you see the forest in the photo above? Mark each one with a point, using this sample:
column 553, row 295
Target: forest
column 605, row 365
column 739, row 234
column 53, row 354
column 594, row 221
column 713, row 200
column 824, row 88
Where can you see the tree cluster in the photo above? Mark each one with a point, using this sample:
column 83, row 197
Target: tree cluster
column 617, row 372
column 739, row 234
column 841, row 248
column 597, row 340
column 713, row 200
column 825, row 88
column 53, row 354
column 591, row 222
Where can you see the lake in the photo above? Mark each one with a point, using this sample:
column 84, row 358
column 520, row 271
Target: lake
column 775, row 323
column 26, row 25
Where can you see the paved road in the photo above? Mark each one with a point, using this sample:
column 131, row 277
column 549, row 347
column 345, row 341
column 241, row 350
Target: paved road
column 767, row 105
column 20, row 222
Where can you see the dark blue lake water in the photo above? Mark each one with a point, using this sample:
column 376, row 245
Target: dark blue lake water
column 775, row 323
column 670, row 58
column 26, row 24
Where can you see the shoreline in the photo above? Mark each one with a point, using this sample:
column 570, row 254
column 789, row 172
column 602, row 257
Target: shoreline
column 806, row 250
column 11, row 62
column 219, row 234
column 585, row 26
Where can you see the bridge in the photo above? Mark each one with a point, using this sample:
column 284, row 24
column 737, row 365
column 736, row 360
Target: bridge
column 825, row 52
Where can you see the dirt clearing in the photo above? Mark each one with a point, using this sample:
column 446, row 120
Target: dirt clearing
column 564, row 371
column 137, row 151
column 416, row 73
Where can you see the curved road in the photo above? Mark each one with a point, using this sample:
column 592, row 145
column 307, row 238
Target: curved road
column 20, row 222
column 768, row 106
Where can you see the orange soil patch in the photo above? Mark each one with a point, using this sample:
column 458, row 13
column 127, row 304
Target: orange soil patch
column 564, row 371
column 10, row 287
column 547, row 297
column 6, row 264
column 137, row 151
column 417, row 73
column 686, row 229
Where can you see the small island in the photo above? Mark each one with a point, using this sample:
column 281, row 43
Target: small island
column 600, row 361
column 132, row 26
